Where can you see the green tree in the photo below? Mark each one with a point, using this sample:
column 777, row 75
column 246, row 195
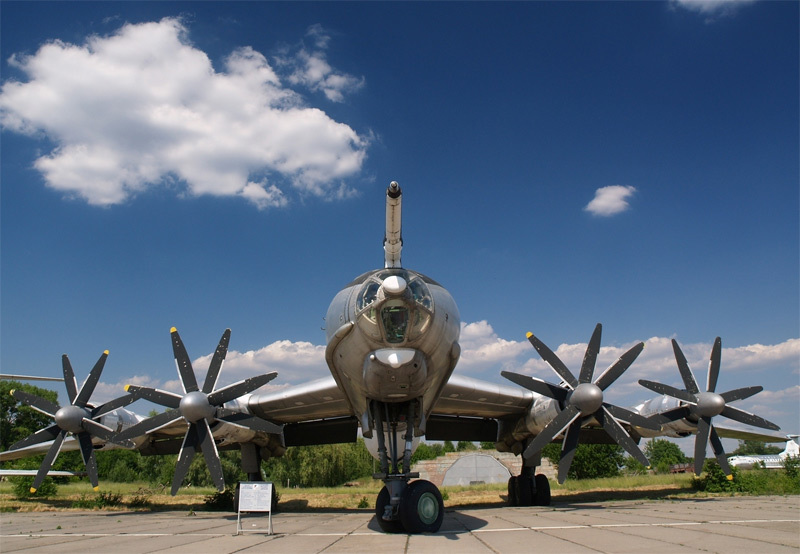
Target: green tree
column 664, row 453
column 591, row 461
column 755, row 447
column 326, row 465
column 463, row 446
column 448, row 446
column 426, row 451
column 486, row 445
column 17, row 420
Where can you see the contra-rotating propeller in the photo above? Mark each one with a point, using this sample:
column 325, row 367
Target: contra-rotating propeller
column 199, row 408
column 705, row 405
column 77, row 418
column 581, row 399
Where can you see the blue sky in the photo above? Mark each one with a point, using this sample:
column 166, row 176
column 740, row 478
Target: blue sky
column 211, row 165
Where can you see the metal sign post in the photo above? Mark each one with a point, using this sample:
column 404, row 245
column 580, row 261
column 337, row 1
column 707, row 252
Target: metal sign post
column 255, row 496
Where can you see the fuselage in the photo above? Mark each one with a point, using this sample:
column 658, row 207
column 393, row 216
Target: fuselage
column 392, row 337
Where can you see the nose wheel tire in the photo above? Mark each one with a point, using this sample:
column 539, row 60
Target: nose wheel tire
column 421, row 507
column 387, row 526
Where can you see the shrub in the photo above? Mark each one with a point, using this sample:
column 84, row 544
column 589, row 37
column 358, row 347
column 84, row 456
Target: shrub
column 715, row 480
column 22, row 488
column 220, row 501
column 791, row 467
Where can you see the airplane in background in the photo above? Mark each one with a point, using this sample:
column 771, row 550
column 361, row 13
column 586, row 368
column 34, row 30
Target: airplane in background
column 768, row 461
column 392, row 348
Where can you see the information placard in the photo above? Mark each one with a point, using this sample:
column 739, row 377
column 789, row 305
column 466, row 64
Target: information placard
column 254, row 496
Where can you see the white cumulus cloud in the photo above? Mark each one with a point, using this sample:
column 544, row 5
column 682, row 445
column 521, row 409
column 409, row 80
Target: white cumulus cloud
column 610, row 200
column 143, row 106
column 712, row 7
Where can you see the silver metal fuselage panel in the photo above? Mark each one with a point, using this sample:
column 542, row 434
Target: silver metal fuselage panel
column 390, row 342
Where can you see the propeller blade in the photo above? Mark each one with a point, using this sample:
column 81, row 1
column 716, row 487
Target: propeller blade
column 668, row 390
column 683, row 366
column 69, row 379
column 216, row 362
column 112, row 405
column 703, row 431
column 161, row 397
column 620, row 436
column 183, row 362
column 633, row 418
column 37, row 403
column 568, row 448
column 87, row 453
column 248, row 421
column 97, row 429
column 740, row 394
column 148, row 425
column 537, row 385
column 91, row 381
column 40, row 436
column 559, row 423
column 209, row 448
column 713, row 365
column 590, row 358
column 619, row 367
column 719, row 452
column 553, row 361
column 674, row 414
column 236, row 390
column 47, row 463
column 750, row 419
column 188, row 449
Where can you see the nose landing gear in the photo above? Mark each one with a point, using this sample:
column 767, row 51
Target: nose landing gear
column 402, row 505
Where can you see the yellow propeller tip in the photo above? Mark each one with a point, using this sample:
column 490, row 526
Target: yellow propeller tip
column 729, row 477
column 12, row 392
column 127, row 387
column 96, row 489
column 105, row 352
column 172, row 330
column 529, row 334
column 33, row 491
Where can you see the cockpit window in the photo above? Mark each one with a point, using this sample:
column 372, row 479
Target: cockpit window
column 368, row 295
column 420, row 293
column 395, row 322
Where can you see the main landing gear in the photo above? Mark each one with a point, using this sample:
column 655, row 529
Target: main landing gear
column 403, row 505
column 529, row 488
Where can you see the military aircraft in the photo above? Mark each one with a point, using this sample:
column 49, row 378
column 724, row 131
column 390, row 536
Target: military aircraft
column 392, row 347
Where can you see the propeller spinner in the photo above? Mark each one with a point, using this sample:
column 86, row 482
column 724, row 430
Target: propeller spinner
column 581, row 399
column 78, row 418
column 706, row 405
column 199, row 407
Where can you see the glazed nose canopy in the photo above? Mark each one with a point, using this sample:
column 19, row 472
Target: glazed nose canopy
column 395, row 374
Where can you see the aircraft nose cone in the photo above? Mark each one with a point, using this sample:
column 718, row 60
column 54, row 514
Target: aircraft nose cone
column 709, row 404
column 69, row 418
column 587, row 397
column 194, row 407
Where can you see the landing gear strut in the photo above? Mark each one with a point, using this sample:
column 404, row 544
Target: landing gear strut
column 529, row 488
column 403, row 505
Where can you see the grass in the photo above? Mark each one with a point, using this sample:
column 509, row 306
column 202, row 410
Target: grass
column 143, row 496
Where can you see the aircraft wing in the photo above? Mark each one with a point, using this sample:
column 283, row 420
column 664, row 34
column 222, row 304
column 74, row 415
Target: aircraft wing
column 744, row 434
column 466, row 396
